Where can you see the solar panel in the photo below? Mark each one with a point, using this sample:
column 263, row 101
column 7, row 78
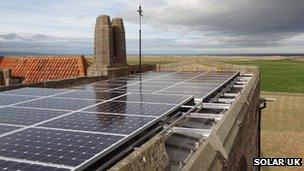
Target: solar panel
column 24, row 116
column 141, row 77
column 7, row 128
column 158, row 73
column 60, row 129
column 35, row 91
column 59, row 103
column 196, row 94
column 133, row 90
column 197, row 85
column 125, row 82
column 54, row 146
column 142, row 109
column 21, row 166
column 155, row 98
column 91, row 88
column 90, row 95
column 143, row 87
column 185, row 89
column 174, row 81
column 203, row 84
column 6, row 99
column 156, row 83
column 102, row 85
column 132, row 79
column 98, row 122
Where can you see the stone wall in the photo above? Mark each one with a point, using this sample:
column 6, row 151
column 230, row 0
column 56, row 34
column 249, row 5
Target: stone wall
column 234, row 142
column 152, row 156
column 5, row 77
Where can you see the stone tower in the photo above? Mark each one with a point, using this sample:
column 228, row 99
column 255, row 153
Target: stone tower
column 119, row 38
column 110, row 46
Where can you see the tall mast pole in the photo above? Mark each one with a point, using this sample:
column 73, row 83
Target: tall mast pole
column 140, row 13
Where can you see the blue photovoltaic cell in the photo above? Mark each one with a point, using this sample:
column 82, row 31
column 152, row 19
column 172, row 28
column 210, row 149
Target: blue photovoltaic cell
column 23, row 116
column 167, row 81
column 7, row 165
column 90, row 95
column 155, row 84
column 107, row 85
column 195, row 94
column 157, row 73
column 5, row 129
column 35, row 91
column 133, row 91
column 74, row 140
column 132, row 79
column 197, row 85
column 58, row 103
column 6, row 99
column 154, row 98
column 99, row 86
column 97, row 122
column 125, row 82
column 53, row 146
column 185, row 89
column 141, row 88
column 141, row 109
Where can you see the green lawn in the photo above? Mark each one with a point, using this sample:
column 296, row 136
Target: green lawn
column 152, row 60
column 279, row 75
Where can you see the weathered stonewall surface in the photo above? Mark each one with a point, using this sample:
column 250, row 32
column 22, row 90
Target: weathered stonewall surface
column 110, row 47
column 5, row 77
column 103, row 42
column 119, row 39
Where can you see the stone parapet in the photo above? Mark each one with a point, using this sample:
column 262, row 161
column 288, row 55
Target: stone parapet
column 234, row 141
column 151, row 156
column 5, row 77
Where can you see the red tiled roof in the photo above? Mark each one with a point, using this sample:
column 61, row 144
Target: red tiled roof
column 43, row 68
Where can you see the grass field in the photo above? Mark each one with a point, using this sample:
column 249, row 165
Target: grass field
column 282, row 128
column 282, row 121
column 153, row 60
column 279, row 75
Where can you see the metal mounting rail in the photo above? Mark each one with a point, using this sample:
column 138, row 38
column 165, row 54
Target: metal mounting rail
column 206, row 116
column 168, row 129
column 183, row 136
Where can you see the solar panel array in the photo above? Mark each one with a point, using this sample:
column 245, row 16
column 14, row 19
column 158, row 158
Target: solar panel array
column 67, row 129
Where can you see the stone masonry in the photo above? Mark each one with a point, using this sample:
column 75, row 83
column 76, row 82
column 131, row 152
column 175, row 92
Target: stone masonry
column 110, row 46
column 119, row 40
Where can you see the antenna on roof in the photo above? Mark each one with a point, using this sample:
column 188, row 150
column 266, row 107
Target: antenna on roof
column 140, row 13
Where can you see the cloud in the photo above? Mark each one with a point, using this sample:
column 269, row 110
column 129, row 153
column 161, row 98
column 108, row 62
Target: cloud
column 38, row 43
column 198, row 26
column 241, row 23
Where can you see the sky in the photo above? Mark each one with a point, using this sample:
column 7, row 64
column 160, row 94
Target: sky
column 169, row 26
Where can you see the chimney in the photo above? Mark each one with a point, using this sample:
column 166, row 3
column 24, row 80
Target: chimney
column 119, row 40
column 103, row 43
